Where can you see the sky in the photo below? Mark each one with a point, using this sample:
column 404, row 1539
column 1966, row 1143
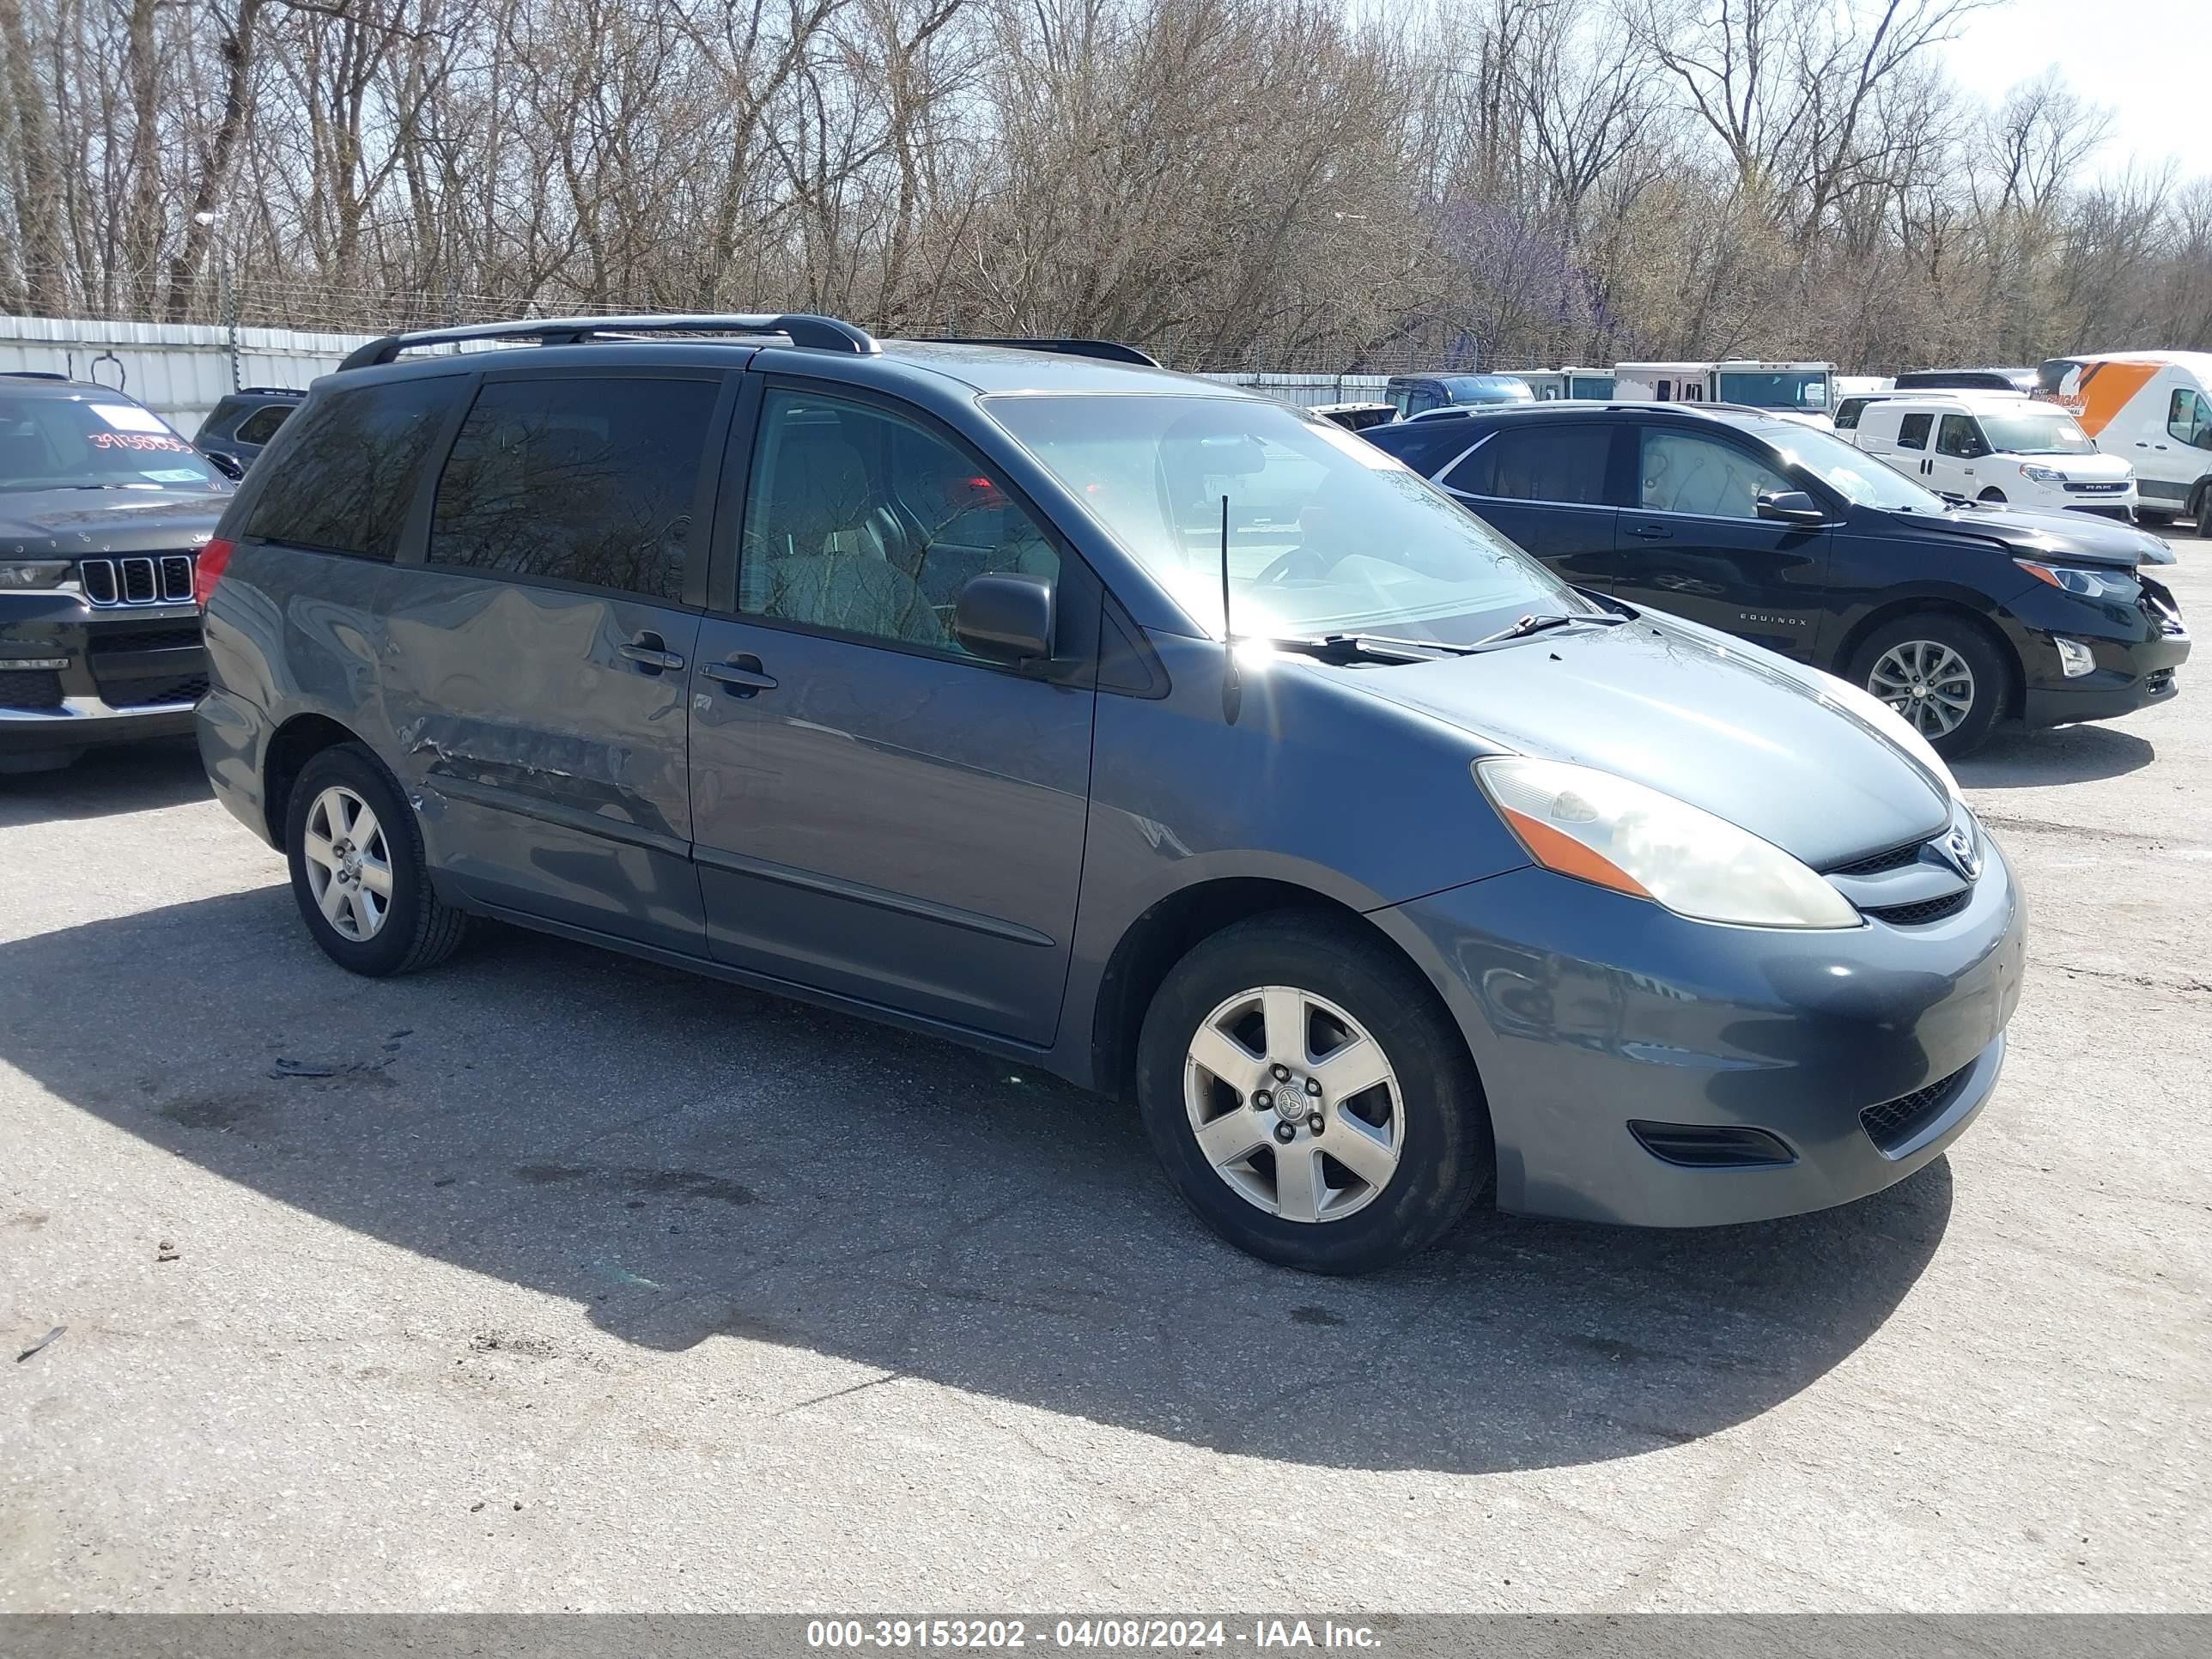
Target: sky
column 2148, row 61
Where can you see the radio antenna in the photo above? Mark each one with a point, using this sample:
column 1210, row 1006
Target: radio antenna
column 1233, row 684
column 1228, row 635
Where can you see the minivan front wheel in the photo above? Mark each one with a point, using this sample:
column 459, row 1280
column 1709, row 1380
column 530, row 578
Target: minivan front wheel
column 358, row 873
column 1942, row 675
column 1309, row 1098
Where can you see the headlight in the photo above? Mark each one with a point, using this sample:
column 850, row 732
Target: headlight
column 1603, row 828
column 2089, row 584
column 21, row 574
column 2042, row 475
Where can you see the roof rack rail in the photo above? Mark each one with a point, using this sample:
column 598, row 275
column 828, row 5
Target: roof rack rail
column 32, row 374
column 268, row 391
column 822, row 333
column 1112, row 352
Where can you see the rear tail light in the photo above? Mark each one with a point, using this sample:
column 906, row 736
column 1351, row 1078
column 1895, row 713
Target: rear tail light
column 214, row 558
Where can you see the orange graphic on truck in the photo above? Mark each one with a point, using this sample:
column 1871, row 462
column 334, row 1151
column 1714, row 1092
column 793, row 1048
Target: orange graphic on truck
column 2094, row 393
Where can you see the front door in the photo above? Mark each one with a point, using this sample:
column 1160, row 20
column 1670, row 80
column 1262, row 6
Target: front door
column 1693, row 543
column 1959, row 458
column 542, row 649
column 878, row 813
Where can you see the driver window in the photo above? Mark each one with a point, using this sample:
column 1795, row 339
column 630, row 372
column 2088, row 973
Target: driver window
column 1683, row 472
column 1959, row 438
column 859, row 520
column 2189, row 417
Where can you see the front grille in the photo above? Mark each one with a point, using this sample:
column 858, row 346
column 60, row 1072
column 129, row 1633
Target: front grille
column 1894, row 1123
column 1896, row 859
column 115, row 641
column 142, row 693
column 141, row 579
column 30, row 688
column 2096, row 488
column 2120, row 514
column 1927, row 910
column 2159, row 682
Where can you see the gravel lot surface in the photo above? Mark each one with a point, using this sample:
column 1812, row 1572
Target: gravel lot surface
column 555, row 1281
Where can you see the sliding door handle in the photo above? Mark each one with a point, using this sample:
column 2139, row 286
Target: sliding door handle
column 650, row 653
column 742, row 675
column 1652, row 532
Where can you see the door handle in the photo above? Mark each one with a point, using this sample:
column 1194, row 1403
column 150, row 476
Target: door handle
column 741, row 674
column 650, row 651
column 1653, row 532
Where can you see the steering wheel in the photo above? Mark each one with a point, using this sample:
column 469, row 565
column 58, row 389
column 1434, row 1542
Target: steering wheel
column 1284, row 565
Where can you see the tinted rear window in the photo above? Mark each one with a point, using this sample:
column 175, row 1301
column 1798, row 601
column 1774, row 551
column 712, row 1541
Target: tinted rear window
column 580, row 480
column 1532, row 463
column 346, row 475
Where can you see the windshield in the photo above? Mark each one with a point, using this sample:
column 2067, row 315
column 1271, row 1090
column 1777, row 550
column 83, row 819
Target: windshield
column 77, row 443
column 2036, row 432
column 1776, row 388
column 1850, row 473
column 1327, row 533
column 1488, row 389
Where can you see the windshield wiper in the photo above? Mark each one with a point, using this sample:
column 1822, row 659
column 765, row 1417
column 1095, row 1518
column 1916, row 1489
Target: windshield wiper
column 1365, row 647
column 1538, row 625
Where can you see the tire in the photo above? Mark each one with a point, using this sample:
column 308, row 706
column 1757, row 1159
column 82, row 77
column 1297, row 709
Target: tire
column 1988, row 681
column 1992, row 494
column 2205, row 513
column 414, row 928
column 1430, row 1105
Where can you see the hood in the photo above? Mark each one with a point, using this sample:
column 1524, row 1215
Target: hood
column 1705, row 719
column 2057, row 535
column 71, row 524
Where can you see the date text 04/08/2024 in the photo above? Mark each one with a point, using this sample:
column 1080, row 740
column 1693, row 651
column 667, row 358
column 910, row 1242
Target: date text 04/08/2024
column 1002, row 1635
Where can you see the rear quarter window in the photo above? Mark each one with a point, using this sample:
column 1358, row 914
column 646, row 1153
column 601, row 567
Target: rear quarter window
column 260, row 427
column 347, row 472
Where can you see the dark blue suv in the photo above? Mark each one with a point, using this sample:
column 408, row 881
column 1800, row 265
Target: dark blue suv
column 1128, row 725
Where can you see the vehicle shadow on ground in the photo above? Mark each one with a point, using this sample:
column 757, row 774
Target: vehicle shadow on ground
column 2065, row 754
column 683, row 1159
column 130, row 778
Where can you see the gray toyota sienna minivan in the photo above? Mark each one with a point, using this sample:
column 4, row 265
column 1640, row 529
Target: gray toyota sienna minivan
column 1147, row 731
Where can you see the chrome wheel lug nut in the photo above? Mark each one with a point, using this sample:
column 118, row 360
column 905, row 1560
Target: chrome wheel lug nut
column 1262, row 1100
column 1313, row 1087
column 1285, row 1133
column 1282, row 1074
column 1314, row 1122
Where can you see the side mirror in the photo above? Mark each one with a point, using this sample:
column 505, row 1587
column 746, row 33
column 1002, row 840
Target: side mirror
column 1791, row 506
column 1004, row 618
column 228, row 465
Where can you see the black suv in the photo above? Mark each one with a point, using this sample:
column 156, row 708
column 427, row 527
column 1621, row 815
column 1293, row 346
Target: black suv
column 1954, row 614
column 103, row 510
column 238, row 428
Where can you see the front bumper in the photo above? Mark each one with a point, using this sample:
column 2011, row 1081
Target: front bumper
column 127, row 674
column 2135, row 649
column 1587, row 1010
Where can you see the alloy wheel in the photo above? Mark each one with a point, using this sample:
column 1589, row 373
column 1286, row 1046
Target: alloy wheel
column 348, row 864
column 1293, row 1103
column 1927, row 682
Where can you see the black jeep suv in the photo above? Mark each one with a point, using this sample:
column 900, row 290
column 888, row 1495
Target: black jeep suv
column 103, row 510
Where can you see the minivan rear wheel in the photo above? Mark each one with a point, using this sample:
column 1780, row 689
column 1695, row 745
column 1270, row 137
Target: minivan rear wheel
column 358, row 873
column 1309, row 1097
column 1940, row 674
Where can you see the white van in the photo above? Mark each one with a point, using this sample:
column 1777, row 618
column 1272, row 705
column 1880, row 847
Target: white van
column 1799, row 391
column 1552, row 385
column 1996, row 446
column 2153, row 409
